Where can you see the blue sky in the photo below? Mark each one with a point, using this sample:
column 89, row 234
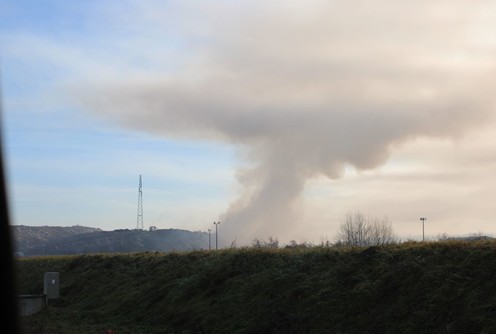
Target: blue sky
column 277, row 118
column 65, row 167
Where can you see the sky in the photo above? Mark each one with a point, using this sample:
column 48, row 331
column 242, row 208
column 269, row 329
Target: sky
column 274, row 118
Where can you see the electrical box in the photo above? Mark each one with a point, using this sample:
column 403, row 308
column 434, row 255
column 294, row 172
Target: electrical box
column 52, row 285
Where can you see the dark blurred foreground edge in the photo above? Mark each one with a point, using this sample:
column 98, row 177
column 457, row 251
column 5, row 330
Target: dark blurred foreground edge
column 10, row 315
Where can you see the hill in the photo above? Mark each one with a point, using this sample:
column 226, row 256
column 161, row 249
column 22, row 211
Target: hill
column 29, row 237
column 78, row 239
column 446, row 287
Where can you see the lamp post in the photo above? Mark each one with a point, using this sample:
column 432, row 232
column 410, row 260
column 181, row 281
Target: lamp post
column 209, row 247
column 423, row 219
column 216, row 236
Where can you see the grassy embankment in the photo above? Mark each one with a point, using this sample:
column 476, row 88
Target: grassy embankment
column 447, row 287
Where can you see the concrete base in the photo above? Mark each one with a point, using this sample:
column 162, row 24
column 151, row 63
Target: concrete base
column 31, row 304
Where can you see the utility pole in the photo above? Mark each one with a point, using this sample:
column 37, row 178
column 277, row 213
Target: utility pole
column 423, row 219
column 209, row 247
column 216, row 236
column 139, row 222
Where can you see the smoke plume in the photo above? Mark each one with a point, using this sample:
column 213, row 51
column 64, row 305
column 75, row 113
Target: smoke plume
column 305, row 89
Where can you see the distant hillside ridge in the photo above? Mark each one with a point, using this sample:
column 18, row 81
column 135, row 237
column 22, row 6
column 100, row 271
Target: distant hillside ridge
column 117, row 241
column 29, row 237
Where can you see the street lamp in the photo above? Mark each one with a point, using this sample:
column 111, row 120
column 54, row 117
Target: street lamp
column 423, row 219
column 209, row 247
column 216, row 236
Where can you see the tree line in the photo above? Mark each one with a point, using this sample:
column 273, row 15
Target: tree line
column 355, row 230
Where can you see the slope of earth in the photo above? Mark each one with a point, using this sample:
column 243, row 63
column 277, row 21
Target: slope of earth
column 446, row 287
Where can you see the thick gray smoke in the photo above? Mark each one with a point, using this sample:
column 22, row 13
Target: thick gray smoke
column 304, row 90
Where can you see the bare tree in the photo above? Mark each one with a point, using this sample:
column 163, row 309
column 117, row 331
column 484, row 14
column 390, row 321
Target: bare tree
column 356, row 230
column 382, row 232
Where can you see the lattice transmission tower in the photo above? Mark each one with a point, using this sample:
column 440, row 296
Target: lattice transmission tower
column 139, row 223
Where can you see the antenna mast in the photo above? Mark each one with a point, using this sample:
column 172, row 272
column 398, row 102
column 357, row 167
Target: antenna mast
column 139, row 223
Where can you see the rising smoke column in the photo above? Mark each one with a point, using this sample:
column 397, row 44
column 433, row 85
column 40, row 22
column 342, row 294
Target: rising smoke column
column 304, row 90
